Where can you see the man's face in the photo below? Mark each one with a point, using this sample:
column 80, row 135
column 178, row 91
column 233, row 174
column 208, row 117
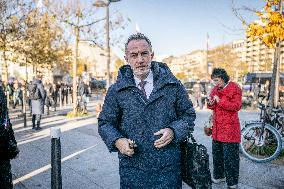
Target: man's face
column 139, row 57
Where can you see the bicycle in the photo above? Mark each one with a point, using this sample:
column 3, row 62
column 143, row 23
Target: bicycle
column 261, row 139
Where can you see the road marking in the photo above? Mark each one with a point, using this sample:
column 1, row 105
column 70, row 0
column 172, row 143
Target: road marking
column 45, row 168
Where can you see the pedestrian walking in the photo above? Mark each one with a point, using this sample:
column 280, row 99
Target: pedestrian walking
column 145, row 116
column 55, row 95
column 225, row 100
column 64, row 90
column 85, row 93
column 17, row 95
column 197, row 94
column 6, row 133
column 37, row 95
column 10, row 90
column 29, row 86
column 49, row 92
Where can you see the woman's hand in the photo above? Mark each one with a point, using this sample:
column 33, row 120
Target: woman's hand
column 210, row 101
column 216, row 98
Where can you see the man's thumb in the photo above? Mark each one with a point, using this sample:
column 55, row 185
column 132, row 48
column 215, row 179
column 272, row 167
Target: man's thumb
column 160, row 132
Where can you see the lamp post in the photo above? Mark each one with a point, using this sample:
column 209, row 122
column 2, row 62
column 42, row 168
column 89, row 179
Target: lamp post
column 101, row 3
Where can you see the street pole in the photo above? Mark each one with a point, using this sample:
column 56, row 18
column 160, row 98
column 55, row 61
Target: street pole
column 56, row 178
column 207, row 67
column 24, row 106
column 75, row 63
column 274, row 87
column 60, row 98
column 108, row 47
column 100, row 3
column 25, row 94
column 6, row 71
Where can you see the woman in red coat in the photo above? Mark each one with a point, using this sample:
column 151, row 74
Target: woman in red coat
column 225, row 100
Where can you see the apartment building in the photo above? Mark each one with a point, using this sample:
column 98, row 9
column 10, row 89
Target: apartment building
column 192, row 65
column 197, row 65
column 260, row 58
column 239, row 48
column 96, row 59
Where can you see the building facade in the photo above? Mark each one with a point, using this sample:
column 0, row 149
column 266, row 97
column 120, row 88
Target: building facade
column 96, row 60
column 192, row 66
column 260, row 58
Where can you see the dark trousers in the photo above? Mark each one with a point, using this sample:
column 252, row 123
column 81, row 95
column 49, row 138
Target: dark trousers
column 226, row 161
column 17, row 101
column 36, row 120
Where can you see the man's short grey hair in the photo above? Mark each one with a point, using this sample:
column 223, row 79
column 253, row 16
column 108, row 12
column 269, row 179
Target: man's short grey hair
column 138, row 36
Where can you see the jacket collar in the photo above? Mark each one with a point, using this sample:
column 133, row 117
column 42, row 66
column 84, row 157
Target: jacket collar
column 161, row 76
column 228, row 90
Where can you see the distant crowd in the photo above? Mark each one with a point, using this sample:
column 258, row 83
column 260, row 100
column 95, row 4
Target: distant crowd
column 55, row 94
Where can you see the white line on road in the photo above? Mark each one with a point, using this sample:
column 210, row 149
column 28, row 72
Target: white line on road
column 45, row 168
column 66, row 127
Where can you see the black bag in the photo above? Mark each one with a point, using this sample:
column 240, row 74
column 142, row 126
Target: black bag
column 34, row 92
column 49, row 101
column 195, row 164
column 8, row 143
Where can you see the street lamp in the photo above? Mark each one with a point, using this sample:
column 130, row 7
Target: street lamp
column 101, row 3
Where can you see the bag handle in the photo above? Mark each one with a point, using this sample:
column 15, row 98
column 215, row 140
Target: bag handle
column 190, row 136
column 6, row 122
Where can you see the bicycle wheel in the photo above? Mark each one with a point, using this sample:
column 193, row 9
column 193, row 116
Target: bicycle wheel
column 260, row 145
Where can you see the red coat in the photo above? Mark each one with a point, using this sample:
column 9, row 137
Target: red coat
column 226, row 124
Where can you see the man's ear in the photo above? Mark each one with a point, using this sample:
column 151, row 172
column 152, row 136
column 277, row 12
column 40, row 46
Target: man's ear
column 126, row 59
column 152, row 55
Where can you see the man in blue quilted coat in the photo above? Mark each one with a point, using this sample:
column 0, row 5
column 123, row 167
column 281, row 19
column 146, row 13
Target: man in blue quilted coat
column 145, row 116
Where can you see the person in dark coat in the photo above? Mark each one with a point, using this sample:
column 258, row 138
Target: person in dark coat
column 225, row 100
column 145, row 116
column 5, row 166
column 38, row 104
column 18, row 95
column 84, row 93
column 54, row 95
column 48, row 87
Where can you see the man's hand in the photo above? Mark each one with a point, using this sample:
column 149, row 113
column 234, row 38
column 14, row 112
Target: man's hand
column 166, row 138
column 122, row 145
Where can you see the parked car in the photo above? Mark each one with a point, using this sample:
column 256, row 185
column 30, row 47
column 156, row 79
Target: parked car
column 97, row 84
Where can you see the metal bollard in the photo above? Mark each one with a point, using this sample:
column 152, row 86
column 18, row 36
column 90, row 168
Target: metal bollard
column 24, row 108
column 65, row 100
column 47, row 110
column 56, row 178
column 64, row 97
column 60, row 98
column 68, row 92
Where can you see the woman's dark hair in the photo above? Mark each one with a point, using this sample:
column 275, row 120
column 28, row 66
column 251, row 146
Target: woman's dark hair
column 221, row 73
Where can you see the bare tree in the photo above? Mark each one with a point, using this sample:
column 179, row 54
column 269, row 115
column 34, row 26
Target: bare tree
column 85, row 23
column 9, row 26
column 268, row 29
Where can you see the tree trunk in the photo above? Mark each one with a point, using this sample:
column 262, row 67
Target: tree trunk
column 75, row 69
column 274, row 87
column 6, row 73
column 275, row 80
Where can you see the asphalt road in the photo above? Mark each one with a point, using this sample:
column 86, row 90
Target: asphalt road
column 87, row 164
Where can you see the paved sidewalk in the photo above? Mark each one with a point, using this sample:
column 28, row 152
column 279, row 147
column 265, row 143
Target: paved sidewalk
column 87, row 164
